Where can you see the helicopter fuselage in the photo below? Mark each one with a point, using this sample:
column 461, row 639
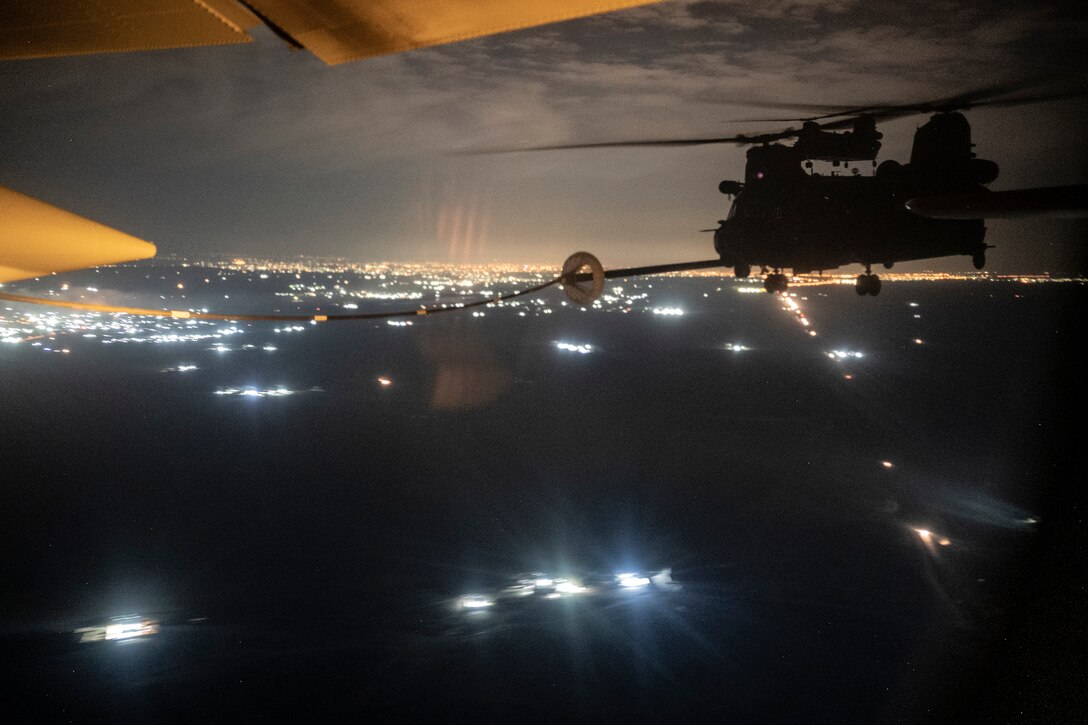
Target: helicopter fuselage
column 816, row 223
column 785, row 218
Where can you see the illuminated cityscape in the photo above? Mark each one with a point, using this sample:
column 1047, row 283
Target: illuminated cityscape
column 499, row 436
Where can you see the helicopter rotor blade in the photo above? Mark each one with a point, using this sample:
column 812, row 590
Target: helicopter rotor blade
column 842, row 117
column 996, row 95
column 1069, row 202
column 740, row 139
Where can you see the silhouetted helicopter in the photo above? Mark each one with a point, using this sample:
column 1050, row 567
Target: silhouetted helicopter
column 785, row 216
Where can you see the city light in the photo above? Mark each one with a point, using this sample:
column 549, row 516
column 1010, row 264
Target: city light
column 120, row 628
column 476, row 601
column 572, row 347
column 280, row 392
column 632, row 581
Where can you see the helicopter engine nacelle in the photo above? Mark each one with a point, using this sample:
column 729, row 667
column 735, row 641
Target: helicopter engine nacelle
column 983, row 171
column 730, row 188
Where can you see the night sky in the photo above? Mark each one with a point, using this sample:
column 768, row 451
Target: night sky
column 262, row 151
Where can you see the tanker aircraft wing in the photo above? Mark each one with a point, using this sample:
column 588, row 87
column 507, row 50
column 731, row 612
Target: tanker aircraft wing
column 336, row 31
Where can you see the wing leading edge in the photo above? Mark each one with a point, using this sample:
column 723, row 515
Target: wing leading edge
column 336, row 31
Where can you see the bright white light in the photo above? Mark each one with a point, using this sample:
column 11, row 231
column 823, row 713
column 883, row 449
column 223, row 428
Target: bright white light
column 570, row 588
column 671, row 311
column 119, row 630
column 476, row 601
column 544, row 582
column 553, row 595
column 736, row 347
column 924, row 534
column 384, row 381
column 886, row 464
column 632, row 581
column 279, row 392
column 843, row 354
column 571, row 347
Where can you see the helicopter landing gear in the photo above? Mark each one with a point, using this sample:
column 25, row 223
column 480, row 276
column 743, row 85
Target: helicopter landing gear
column 776, row 282
column 978, row 259
column 742, row 270
column 867, row 284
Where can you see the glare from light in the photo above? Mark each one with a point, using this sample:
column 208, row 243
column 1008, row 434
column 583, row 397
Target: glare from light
column 384, row 381
column 632, row 581
column 886, row 464
column 569, row 588
column 668, row 311
column 553, row 595
column 571, row 347
column 544, row 582
column 476, row 601
column 128, row 628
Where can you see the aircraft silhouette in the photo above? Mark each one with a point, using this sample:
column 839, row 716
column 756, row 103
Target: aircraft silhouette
column 784, row 216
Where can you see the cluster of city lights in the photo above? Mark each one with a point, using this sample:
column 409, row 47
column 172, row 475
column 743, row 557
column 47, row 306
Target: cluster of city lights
column 280, row 392
column 844, row 355
column 572, row 347
column 547, row 587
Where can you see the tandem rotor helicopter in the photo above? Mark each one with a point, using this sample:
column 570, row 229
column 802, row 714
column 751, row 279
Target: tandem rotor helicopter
column 785, row 216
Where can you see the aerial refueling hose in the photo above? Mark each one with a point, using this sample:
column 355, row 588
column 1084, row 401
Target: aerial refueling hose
column 572, row 279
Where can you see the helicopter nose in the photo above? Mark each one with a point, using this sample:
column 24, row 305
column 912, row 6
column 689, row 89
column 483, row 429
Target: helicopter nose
column 721, row 241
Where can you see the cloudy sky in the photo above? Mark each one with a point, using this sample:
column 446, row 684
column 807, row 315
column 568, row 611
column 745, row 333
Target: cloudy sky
column 260, row 150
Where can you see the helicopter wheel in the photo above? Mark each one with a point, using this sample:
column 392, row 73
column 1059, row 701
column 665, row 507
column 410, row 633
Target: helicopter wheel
column 776, row 282
column 742, row 270
column 861, row 285
column 873, row 286
column 978, row 259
